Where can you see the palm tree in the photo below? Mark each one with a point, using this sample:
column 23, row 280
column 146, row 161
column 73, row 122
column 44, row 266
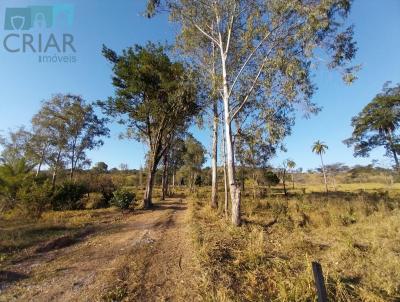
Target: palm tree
column 320, row 148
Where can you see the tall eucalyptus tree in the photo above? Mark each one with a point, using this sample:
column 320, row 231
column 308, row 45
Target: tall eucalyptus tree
column 266, row 51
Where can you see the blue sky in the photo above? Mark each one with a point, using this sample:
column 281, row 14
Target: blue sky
column 25, row 82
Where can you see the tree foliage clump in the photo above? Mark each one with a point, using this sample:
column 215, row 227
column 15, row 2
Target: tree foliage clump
column 155, row 99
column 35, row 198
column 13, row 178
column 377, row 125
column 68, row 196
column 123, row 198
column 66, row 126
column 193, row 159
column 61, row 133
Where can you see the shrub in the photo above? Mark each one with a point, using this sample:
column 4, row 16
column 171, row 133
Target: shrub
column 35, row 198
column 13, row 177
column 68, row 196
column 95, row 201
column 123, row 198
column 102, row 184
column 270, row 179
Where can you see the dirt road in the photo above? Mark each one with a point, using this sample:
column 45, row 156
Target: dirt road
column 145, row 257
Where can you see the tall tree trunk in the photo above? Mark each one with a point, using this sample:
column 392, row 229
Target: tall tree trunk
column 396, row 160
column 323, row 171
column 55, row 170
column 167, row 190
column 334, row 182
column 292, row 180
column 193, row 186
column 141, row 177
column 72, row 170
column 38, row 168
column 284, row 182
column 234, row 189
column 42, row 157
column 226, row 196
column 392, row 148
column 163, row 195
column 242, row 180
column 147, row 200
column 254, row 186
column 71, row 173
column 214, row 163
column 53, row 179
column 165, row 178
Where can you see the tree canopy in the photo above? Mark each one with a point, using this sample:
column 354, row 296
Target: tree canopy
column 377, row 124
column 155, row 99
column 71, row 127
column 319, row 147
column 264, row 55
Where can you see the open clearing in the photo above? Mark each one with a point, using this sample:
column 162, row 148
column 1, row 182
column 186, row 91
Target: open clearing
column 146, row 256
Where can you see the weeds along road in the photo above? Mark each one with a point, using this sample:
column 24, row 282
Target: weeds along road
column 145, row 257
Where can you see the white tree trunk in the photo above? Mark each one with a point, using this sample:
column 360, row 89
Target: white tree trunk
column 323, row 171
column 392, row 148
column 214, row 165
column 38, row 169
column 234, row 189
column 226, row 207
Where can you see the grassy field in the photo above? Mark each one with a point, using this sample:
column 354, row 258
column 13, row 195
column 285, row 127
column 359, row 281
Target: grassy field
column 354, row 235
column 351, row 187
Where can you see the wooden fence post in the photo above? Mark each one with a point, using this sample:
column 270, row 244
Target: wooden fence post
column 319, row 282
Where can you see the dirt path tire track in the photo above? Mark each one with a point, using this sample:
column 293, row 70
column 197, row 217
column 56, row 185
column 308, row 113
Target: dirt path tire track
column 170, row 269
column 148, row 257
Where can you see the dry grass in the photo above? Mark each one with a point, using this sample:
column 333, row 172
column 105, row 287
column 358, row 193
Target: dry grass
column 355, row 236
column 18, row 233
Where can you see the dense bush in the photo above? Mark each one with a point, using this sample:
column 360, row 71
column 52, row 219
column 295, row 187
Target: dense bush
column 100, row 188
column 13, row 177
column 96, row 201
column 35, row 198
column 103, row 184
column 270, row 179
column 68, row 196
column 123, row 198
